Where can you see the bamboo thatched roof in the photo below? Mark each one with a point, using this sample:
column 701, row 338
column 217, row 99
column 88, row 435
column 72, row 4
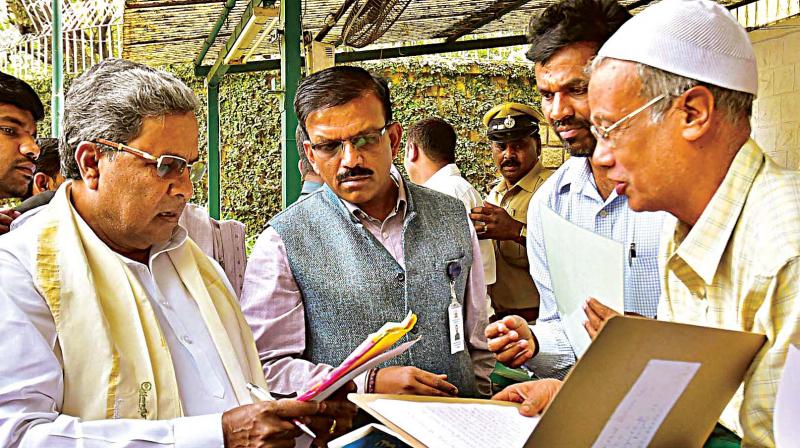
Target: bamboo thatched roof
column 168, row 31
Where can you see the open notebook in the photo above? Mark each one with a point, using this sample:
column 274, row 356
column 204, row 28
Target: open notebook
column 641, row 383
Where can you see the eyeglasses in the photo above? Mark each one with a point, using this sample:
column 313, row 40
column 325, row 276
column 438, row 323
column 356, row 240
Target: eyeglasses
column 601, row 133
column 363, row 142
column 167, row 166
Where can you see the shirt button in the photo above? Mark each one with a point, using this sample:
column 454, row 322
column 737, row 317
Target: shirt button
column 165, row 304
column 385, row 235
column 187, row 339
column 603, row 213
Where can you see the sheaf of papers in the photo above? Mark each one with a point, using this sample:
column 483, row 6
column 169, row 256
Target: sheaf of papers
column 363, row 368
column 371, row 348
column 639, row 415
column 787, row 403
column 582, row 264
column 463, row 425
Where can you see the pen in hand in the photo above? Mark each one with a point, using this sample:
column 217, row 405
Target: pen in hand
column 262, row 395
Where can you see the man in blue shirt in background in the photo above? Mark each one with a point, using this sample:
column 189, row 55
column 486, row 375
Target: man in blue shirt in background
column 563, row 40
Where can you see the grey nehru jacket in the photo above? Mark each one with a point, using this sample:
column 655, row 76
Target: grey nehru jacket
column 350, row 283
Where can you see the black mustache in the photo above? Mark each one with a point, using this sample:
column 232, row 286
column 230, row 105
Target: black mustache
column 572, row 121
column 353, row 172
column 509, row 162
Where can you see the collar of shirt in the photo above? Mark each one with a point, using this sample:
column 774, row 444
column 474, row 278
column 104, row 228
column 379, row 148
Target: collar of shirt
column 448, row 170
column 579, row 176
column 702, row 246
column 399, row 208
column 309, row 186
column 527, row 183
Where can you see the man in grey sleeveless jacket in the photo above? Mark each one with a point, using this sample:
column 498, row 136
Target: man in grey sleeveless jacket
column 366, row 248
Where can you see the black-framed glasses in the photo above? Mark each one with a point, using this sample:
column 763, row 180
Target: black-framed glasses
column 362, row 142
column 167, row 166
column 601, row 133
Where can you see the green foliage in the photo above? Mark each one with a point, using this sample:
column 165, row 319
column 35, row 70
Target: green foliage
column 461, row 94
column 250, row 124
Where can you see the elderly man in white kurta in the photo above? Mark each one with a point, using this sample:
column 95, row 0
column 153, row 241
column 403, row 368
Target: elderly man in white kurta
column 117, row 329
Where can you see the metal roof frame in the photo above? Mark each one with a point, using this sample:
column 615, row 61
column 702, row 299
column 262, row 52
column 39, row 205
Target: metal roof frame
column 291, row 61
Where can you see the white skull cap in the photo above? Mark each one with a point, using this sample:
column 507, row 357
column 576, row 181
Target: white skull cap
column 698, row 39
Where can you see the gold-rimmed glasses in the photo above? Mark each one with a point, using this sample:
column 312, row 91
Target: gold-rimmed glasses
column 361, row 142
column 167, row 166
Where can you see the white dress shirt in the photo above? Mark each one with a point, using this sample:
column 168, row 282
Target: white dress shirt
column 448, row 180
column 31, row 375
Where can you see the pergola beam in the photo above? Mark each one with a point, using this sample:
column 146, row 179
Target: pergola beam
column 478, row 19
column 383, row 53
column 220, row 67
column 334, row 18
column 212, row 37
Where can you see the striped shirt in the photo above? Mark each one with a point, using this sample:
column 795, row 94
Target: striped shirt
column 572, row 193
column 738, row 268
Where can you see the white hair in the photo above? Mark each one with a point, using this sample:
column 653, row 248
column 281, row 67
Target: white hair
column 110, row 101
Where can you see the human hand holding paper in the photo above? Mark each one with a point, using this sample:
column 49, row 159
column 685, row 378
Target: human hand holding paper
column 368, row 354
column 534, row 395
column 408, row 380
column 597, row 315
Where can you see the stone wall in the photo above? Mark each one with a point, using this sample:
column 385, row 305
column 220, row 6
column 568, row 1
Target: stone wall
column 776, row 113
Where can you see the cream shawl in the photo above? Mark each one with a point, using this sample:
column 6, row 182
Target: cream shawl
column 115, row 359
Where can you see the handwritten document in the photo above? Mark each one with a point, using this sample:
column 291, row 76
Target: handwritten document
column 463, row 425
column 787, row 403
column 639, row 415
column 582, row 264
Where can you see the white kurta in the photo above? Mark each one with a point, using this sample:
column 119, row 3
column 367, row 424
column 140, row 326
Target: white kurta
column 31, row 375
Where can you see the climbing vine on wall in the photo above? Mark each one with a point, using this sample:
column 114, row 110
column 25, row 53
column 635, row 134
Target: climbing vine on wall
column 250, row 124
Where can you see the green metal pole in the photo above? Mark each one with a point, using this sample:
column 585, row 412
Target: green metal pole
column 57, row 50
column 213, row 151
column 291, row 182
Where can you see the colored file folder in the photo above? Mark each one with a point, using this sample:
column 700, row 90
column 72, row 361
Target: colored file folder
column 371, row 352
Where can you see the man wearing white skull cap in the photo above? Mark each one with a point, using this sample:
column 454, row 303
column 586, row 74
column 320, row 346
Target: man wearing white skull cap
column 670, row 96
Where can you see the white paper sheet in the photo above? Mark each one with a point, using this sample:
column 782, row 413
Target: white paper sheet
column 364, row 367
column 463, row 425
column 787, row 403
column 582, row 264
column 639, row 415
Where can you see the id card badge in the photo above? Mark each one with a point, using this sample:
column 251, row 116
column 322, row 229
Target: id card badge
column 456, row 322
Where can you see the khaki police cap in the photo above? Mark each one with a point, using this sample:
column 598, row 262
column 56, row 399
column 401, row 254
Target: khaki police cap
column 511, row 121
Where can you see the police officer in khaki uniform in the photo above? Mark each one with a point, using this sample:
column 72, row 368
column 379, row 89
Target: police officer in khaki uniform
column 513, row 130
